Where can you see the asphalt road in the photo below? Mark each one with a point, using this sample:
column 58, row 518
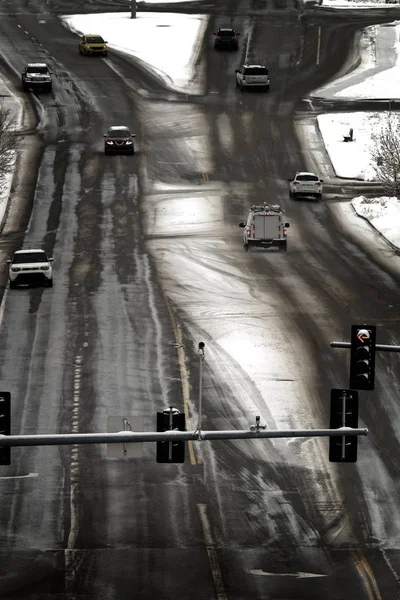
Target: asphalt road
column 237, row 520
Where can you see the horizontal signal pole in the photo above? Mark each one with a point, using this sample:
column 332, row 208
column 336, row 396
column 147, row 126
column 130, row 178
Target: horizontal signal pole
column 131, row 437
column 378, row 347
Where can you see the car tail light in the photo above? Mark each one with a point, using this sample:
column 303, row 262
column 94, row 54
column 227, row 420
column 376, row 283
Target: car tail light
column 285, row 232
column 318, row 183
column 234, row 37
column 295, row 183
column 248, row 233
column 217, row 37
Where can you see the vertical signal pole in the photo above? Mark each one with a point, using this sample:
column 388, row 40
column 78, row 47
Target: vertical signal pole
column 201, row 356
column 133, row 9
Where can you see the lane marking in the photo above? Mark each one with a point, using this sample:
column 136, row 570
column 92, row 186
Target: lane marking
column 29, row 476
column 318, row 44
column 366, row 574
column 298, row 575
column 184, row 375
column 212, row 554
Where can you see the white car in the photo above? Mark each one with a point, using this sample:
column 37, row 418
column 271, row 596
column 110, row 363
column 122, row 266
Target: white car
column 36, row 76
column 252, row 76
column 30, row 266
column 306, row 184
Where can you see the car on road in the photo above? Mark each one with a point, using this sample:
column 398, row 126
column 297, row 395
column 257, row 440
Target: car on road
column 305, row 185
column 29, row 267
column 36, row 76
column 226, row 39
column 265, row 227
column 91, row 44
column 118, row 140
column 252, row 76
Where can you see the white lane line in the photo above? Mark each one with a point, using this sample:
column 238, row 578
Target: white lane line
column 30, row 475
column 212, row 554
column 318, row 44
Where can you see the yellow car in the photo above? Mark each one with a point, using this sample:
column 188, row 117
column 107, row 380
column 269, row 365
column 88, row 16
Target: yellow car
column 92, row 44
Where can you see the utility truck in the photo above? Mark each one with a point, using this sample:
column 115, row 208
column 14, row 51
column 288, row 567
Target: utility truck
column 265, row 227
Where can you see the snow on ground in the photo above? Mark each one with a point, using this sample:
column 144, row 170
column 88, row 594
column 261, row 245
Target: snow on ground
column 167, row 43
column 383, row 214
column 351, row 160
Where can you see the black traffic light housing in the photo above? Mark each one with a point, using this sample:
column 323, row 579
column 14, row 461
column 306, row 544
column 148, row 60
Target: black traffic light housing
column 169, row 420
column 362, row 357
column 5, row 426
column 344, row 413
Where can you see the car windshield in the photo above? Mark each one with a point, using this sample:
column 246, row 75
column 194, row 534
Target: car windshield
column 307, row 178
column 226, row 32
column 30, row 257
column 94, row 40
column 256, row 71
column 42, row 70
column 120, row 133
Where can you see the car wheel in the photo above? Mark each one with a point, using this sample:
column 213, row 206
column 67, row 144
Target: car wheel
column 104, row 53
column 318, row 197
column 266, row 88
column 13, row 284
column 241, row 88
column 246, row 247
column 50, row 282
column 284, row 246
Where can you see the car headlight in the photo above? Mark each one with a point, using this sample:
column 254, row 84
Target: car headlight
column 88, row 46
column 128, row 142
column 109, row 142
column 46, row 268
column 15, row 269
column 28, row 78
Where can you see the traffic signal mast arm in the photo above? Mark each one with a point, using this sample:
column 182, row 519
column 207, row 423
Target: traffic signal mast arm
column 65, row 439
column 378, row 347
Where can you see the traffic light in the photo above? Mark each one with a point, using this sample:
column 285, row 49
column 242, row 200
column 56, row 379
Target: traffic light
column 362, row 357
column 344, row 413
column 169, row 420
column 5, row 426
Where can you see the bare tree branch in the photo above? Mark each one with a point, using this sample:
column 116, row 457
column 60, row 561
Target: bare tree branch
column 385, row 154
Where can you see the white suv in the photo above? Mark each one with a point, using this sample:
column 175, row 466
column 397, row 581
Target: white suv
column 305, row 184
column 30, row 266
column 252, row 76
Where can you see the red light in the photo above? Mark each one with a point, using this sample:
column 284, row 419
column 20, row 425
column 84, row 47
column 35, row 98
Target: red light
column 248, row 233
column 217, row 37
column 285, row 232
column 318, row 183
column 295, row 183
column 234, row 37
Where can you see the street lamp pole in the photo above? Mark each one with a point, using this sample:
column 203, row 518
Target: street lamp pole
column 133, row 9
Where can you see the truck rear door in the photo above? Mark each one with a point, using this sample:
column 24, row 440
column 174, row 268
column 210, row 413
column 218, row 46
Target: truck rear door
column 271, row 227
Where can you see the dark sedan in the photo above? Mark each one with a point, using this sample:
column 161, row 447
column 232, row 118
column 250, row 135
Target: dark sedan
column 226, row 39
column 118, row 140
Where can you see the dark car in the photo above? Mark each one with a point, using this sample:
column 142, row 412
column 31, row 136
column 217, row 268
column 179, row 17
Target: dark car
column 118, row 139
column 226, row 38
